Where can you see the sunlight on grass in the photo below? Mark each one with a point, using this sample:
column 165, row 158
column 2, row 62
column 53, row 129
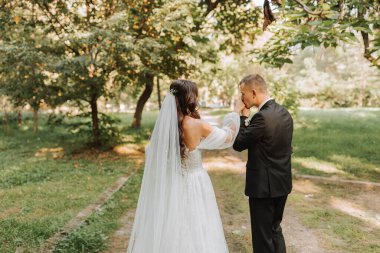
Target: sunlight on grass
column 94, row 234
column 315, row 164
column 50, row 152
column 306, row 187
column 345, row 139
column 351, row 164
column 356, row 211
column 129, row 150
column 224, row 163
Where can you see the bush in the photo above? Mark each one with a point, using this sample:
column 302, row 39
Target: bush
column 82, row 124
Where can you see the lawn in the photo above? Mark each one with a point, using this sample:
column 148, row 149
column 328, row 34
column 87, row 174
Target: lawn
column 343, row 143
column 48, row 177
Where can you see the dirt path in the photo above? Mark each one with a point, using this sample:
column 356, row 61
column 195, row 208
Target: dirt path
column 295, row 234
column 118, row 242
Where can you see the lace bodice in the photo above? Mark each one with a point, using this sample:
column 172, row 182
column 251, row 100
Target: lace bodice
column 192, row 161
column 219, row 138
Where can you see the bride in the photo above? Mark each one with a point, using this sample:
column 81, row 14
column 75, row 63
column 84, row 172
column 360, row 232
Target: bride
column 177, row 210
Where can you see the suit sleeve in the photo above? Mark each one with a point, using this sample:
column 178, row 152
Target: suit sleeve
column 250, row 134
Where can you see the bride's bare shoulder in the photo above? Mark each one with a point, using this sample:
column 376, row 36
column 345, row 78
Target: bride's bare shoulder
column 196, row 125
column 190, row 123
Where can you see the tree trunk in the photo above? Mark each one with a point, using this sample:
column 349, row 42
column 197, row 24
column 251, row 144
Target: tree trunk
column 6, row 122
column 117, row 101
column 142, row 100
column 158, row 92
column 19, row 118
column 95, row 121
column 35, row 120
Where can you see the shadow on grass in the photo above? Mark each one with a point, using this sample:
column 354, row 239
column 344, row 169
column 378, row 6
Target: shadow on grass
column 348, row 140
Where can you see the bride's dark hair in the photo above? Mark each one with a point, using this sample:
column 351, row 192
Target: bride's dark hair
column 186, row 94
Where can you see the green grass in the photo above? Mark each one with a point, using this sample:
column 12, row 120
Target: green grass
column 46, row 178
column 349, row 141
column 92, row 237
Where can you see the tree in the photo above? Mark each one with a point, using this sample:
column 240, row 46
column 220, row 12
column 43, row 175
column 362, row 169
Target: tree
column 22, row 59
column 96, row 52
column 185, row 32
column 327, row 23
column 22, row 78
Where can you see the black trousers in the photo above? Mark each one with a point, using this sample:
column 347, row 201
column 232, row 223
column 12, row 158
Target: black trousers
column 266, row 216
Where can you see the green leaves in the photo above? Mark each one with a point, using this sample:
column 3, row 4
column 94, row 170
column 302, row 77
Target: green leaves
column 326, row 24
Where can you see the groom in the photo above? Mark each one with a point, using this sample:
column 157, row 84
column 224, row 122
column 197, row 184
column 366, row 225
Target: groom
column 268, row 138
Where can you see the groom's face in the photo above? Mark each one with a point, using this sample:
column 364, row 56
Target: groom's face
column 248, row 95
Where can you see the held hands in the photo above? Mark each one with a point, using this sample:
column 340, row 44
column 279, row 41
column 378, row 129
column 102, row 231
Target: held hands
column 241, row 109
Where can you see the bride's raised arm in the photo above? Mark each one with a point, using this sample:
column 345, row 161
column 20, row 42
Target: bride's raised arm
column 220, row 138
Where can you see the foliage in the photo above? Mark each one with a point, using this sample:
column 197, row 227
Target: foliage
column 333, row 77
column 21, row 75
column 327, row 23
column 285, row 94
column 81, row 124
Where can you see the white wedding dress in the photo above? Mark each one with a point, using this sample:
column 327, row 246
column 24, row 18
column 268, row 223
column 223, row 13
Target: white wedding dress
column 177, row 210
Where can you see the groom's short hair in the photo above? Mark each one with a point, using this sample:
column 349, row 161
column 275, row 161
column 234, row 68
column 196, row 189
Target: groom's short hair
column 255, row 81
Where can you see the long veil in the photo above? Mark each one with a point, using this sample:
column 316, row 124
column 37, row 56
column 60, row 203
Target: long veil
column 161, row 184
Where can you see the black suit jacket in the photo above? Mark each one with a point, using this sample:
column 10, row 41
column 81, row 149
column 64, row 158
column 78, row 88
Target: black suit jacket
column 268, row 138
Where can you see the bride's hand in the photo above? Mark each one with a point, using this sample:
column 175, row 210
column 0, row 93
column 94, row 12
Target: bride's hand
column 241, row 109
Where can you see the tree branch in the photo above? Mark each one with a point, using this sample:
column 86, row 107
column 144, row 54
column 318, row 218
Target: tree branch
column 366, row 46
column 46, row 7
column 365, row 37
column 342, row 11
column 47, row 12
column 211, row 6
column 308, row 10
column 268, row 15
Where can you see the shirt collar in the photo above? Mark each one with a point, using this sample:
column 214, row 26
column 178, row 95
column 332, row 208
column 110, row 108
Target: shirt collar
column 263, row 103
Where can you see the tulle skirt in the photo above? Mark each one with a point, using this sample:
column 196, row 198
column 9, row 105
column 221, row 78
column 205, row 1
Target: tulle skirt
column 195, row 227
